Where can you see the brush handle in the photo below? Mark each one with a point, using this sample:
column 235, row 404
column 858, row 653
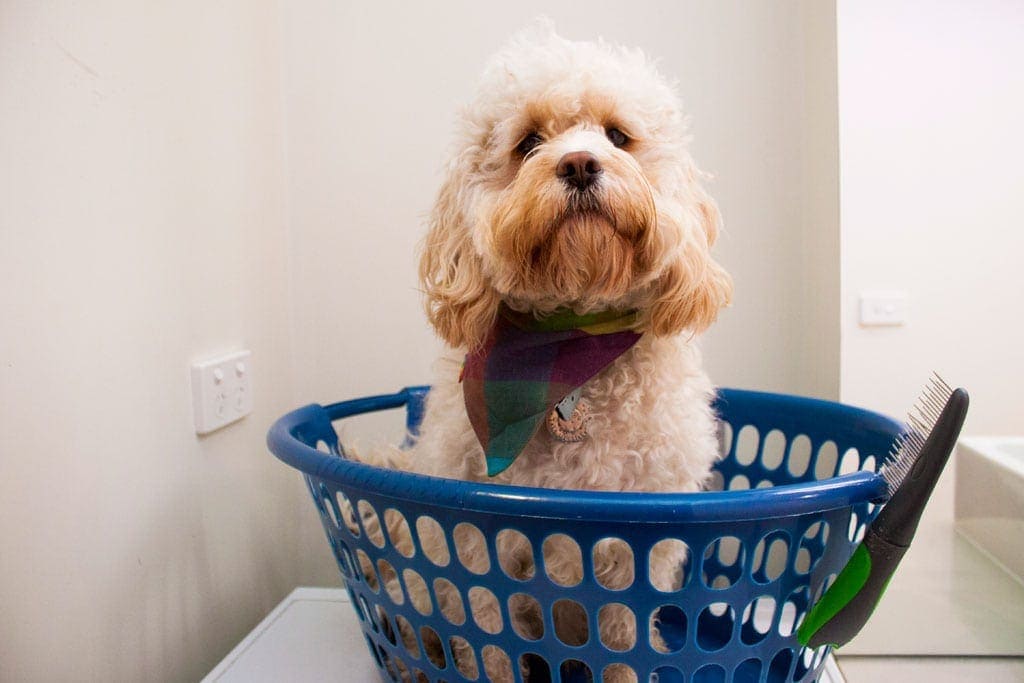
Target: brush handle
column 845, row 607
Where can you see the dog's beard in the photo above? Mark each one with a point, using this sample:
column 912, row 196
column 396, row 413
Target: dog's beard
column 555, row 246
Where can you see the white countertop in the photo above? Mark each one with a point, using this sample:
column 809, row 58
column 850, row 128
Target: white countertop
column 313, row 636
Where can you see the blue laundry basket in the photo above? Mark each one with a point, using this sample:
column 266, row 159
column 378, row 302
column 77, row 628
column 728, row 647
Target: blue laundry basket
column 800, row 484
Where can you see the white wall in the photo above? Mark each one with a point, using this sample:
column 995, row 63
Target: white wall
column 142, row 224
column 931, row 99
column 372, row 89
column 931, row 104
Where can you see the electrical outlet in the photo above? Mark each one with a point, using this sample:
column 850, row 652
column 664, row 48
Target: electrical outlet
column 883, row 308
column 221, row 390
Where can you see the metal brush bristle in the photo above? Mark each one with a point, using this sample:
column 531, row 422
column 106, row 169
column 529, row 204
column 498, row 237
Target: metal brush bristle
column 920, row 421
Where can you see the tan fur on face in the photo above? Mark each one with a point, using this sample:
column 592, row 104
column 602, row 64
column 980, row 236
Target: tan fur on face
column 506, row 228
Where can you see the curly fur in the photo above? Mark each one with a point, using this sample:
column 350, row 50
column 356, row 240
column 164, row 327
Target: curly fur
column 506, row 229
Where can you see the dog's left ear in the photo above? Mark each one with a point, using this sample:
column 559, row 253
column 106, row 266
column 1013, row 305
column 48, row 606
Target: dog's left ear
column 693, row 287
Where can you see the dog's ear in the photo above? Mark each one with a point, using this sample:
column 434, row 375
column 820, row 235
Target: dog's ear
column 460, row 303
column 693, row 287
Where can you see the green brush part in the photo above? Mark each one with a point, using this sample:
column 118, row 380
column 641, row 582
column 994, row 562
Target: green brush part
column 850, row 580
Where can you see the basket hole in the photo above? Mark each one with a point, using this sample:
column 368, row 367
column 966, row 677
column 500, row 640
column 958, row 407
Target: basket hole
column 373, row 649
column 828, row 459
column 746, row 445
column 464, row 657
column 613, row 563
column 714, row 626
column 739, row 483
column 515, row 554
column 419, row 596
column 668, row 566
column 388, row 664
column 408, row 636
column 804, row 660
column 486, row 610
column 347, row 514
column 869, row 464
column 344, row 557
column 778, row 670
column 525, row 615
column 471, row 547
column 724, row 438
column 667, row 674
column 618, row 672
column 764, row 484
column 449, row 600
column 357, row 604
column 398, row 532
column 576, row 671
column 803, row 562
column 748, row 670
column 851, row 530
column 850, row 462
column 571, row 625
column 534, row 667
column 368, row 614
column 709, row 673
column 389, row 578
column 770, row 557
column 497, row 665
column 403, row 672
column 616, row 624
column 723, row 562
column 787, row 618
column 420, row 677
column 757, row 620
column 432, row 541
column 773, row 452
column 715, row 482
column 433, row 647
column 385, row 625
column 668, row 629
column 371, row 523
column 563, row 560
column 327, row 506
column 799, row 455
column 366, row 566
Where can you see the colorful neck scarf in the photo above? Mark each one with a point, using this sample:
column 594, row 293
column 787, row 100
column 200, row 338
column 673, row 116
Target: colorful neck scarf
column 526, row 366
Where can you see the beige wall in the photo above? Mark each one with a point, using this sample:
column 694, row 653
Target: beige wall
column 931, row 103
column 372, row 89
column 142, row 224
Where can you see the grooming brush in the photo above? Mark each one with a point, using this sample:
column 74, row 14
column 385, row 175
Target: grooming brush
column 911, row 470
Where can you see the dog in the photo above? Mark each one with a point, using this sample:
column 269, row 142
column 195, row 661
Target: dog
column 571, row 195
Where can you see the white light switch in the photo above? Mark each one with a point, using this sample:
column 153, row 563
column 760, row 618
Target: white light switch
column 221, row 390
column 883, row 308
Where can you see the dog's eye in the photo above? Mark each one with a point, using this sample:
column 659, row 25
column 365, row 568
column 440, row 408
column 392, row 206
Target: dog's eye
column 529, row 143
column 617, row 137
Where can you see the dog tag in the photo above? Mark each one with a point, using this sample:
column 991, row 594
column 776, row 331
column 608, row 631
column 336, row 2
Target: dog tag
column 574, row 427
column 565, row 407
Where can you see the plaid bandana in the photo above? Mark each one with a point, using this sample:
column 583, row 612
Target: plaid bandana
column 526, row 366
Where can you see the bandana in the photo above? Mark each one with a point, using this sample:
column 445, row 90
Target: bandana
column 526, row 366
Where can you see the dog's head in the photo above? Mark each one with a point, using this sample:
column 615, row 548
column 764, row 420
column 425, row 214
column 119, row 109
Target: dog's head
column 571, row 186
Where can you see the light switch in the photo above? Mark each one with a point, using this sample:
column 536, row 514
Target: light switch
column 221, row 390
column 883, row 308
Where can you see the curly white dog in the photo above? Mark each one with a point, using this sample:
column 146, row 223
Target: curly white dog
column 572, row 221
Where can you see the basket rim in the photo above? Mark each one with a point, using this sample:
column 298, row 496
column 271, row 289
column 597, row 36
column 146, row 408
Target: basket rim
column 578, row 506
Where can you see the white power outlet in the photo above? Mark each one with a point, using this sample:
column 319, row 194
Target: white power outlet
column 221, row 390
column 883, row 308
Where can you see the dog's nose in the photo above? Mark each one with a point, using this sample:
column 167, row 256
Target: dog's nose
column 579, row 169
